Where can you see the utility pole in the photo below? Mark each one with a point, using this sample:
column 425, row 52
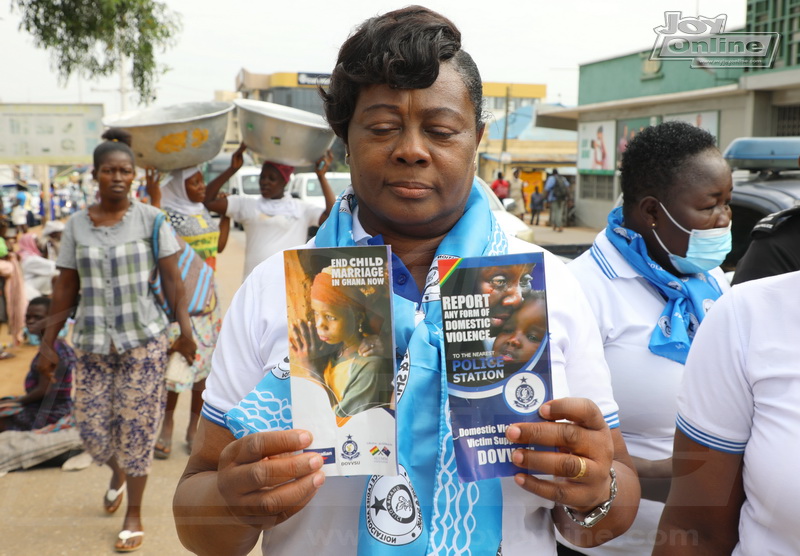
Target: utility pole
column 504, row 155
column 123, row 86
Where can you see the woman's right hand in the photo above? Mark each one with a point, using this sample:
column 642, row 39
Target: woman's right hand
column 263, row 480
column 237, row 158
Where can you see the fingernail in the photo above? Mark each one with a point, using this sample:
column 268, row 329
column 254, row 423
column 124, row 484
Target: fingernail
column 319, row 479
column 519, row 479
column 544, row 412
column 513, row 432
column 516, row 457
column 304, row 438
column 315, row 462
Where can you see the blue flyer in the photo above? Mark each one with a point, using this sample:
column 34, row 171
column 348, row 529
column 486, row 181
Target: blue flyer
column 494, row 320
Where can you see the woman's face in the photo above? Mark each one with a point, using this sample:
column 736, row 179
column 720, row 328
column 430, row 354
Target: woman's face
column 334, row 324
column 271, row 182
column 412, row 156
column 195, row 188
column 522, row 333
column 701, row 201
column 506, row 285
column 114, row 176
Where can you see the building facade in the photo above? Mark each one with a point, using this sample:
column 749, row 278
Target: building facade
column 619, row 96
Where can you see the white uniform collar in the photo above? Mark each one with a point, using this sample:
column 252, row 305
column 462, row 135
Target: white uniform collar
column 610, row 260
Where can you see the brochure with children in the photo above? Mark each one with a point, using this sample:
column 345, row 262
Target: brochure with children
column 494, row 319
column 341, row 355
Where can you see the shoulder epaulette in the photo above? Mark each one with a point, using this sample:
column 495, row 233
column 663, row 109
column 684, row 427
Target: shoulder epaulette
column 767, row 225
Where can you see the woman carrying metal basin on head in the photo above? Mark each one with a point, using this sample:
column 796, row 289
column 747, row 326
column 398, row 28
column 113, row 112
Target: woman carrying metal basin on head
column 180, row 196
column 276, row 220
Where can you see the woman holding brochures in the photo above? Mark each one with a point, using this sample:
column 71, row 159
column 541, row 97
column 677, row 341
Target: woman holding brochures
column 650, row 278
column 407, row 102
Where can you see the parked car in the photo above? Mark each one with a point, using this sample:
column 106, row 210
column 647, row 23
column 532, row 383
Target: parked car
column 766, row 180
column 509, row 223
column 306, row 187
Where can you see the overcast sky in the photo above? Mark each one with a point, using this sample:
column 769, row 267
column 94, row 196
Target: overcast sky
column 521, row 41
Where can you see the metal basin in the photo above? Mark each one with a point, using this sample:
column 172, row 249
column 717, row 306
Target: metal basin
column 175, row 136
column 283, row 134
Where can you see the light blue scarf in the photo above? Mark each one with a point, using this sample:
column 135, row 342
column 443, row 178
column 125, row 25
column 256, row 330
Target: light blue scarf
column 688, row 297
column 456, row 518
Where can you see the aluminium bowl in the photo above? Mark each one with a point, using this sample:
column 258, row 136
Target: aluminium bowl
column 177, row 136
column 283, row 134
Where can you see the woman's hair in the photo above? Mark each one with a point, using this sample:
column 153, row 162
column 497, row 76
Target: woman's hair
column 654, row 158
column 402, row 49
column 115, row 140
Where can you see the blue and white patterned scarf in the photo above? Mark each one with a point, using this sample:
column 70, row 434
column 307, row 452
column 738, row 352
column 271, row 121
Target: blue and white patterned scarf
column 456, row 518
column 688, row 297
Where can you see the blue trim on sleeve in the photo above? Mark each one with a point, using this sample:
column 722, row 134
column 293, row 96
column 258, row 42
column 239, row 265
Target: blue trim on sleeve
column 709, row 441
column 602, row 262
column 214, row 415
column 612, row 420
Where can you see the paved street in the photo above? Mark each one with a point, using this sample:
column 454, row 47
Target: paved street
column 49, row 512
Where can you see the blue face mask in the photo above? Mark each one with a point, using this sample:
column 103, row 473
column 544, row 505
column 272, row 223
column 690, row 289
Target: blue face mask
column 707, row 248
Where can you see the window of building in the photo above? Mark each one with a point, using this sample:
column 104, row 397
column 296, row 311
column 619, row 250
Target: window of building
column 597, row 186
column 788, row 123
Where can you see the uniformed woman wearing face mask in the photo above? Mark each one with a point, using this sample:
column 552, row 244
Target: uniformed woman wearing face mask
column 650, row 277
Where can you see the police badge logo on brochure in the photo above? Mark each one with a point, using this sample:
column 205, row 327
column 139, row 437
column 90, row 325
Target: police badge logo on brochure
column 494, row 319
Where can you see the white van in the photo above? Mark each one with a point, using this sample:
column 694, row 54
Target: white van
column 306, row 187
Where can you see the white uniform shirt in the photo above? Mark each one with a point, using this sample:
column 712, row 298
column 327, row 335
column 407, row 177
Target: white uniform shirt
column 741, row 394
column 266, row 235
column 254, row 339
column 627, row 307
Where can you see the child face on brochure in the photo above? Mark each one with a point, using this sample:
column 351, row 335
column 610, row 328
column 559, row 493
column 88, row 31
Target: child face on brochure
column 335, row 324
column 506, row 286
column 522, row 334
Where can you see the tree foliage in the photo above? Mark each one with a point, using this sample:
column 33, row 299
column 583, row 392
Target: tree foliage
column 91, row 37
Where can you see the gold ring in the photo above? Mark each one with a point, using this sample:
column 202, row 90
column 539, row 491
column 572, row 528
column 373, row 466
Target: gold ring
column 582, row 472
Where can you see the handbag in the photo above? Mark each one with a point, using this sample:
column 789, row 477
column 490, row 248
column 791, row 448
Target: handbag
column 196, row 275
column 178, row 370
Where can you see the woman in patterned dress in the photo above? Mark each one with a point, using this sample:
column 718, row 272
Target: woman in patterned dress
column 181, row 196
column 106, row 259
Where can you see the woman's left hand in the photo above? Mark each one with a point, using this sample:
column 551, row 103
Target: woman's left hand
column 581, row 464
column 186, row 347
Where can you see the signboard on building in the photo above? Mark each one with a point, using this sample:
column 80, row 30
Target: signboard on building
column 630, row 128
column 49, row 133
column 315, row 79
column 596, row 147
column 704, row 120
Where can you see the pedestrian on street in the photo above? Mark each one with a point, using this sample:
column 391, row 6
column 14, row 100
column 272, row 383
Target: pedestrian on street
column 537, row 205
column 276, row 220
column 181, row 195
column 517, row 192
column 500, row 186
column 407, row 102
column 557, row 189
column 120, row 330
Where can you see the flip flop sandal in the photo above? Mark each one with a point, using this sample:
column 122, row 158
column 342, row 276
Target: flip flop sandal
column 113, row 498
column 163, row 449
column 125, row 536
